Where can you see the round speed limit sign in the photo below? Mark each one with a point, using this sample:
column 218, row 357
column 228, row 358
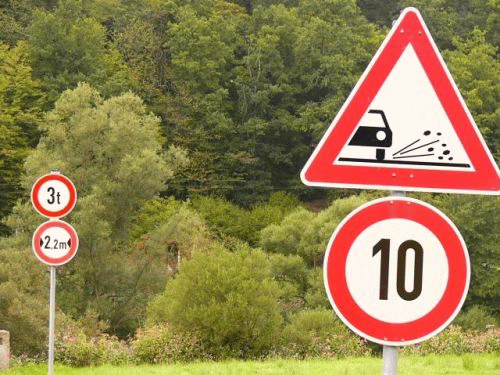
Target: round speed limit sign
column 396, row 271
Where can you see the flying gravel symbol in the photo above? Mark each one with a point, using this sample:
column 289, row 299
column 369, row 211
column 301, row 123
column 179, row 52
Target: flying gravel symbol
column 429, row 148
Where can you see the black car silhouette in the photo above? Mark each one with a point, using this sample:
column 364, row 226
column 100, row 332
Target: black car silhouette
column 374, row 136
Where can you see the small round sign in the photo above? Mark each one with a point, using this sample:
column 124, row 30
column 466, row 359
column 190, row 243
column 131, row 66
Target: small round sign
column 55, row 242
column 53, row 195
column 396, row 271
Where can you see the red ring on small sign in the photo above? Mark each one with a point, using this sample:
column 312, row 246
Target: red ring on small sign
column 36, row 200
column 388, row 333
column 36, row 243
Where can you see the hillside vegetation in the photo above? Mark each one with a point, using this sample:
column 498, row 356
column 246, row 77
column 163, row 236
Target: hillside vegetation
column 184, row 126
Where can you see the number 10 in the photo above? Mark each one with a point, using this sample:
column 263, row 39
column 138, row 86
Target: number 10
column 383, row 246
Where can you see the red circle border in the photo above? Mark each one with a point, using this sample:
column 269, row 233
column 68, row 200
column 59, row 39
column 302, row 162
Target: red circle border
column 361, row 322
column 55, row 261
column 36, row 189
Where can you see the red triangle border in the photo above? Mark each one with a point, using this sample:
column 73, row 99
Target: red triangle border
column 322, row 170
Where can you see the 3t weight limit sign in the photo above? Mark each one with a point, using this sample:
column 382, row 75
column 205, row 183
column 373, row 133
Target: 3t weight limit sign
column 396, row 271
column 53, row 195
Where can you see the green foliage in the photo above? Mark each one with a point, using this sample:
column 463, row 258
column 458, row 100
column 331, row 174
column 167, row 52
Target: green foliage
column 455, row 340
column 476, row 318
column 15, row 16
column 161, row 343
column 247, row 88
column 305, row 233
column 259, row 88
column 67, row 47
column 318, row 333
column 228, row 219
column 162, row 250
column 316, row 297
column 313, row 323
column 291, row 274
column 23, row 296
column 475, row 66
column 112, row 152
column 380, row 12
column 153, row 214
column 224, row 218
column 448, row 19
column 21, row 102
column 227, row 298
column 477, row 219
column 77, row 346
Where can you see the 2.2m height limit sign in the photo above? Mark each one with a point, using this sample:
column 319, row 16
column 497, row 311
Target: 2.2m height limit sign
column 396, row 271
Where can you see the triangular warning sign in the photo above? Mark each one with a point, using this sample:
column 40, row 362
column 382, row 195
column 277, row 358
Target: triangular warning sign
column 405, row 125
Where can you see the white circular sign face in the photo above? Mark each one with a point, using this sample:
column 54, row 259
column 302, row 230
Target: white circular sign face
column 366, row 292
column 53, row 195
column 55, row 242
column 396, row 271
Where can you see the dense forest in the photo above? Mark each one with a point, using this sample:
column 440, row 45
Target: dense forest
column 184, row 126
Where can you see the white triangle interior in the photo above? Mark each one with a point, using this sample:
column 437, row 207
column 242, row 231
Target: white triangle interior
column 422, row 135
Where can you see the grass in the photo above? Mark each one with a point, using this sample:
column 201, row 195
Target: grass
column 414, row 365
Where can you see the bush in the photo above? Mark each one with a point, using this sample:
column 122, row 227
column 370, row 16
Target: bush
column 229, row 219
column 319, row 333
column 476, row 318
column 229, row 299
column 454, row 340
column 77, row 346
column 161, row 343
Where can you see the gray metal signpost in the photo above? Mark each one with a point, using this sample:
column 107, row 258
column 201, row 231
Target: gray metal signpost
column 55, row 242
column 52, row 317
column 390, row 360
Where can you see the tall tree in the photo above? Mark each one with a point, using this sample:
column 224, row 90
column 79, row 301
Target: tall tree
column 16, row 16
column 261, row 88
column 21, row 103
column 66, row 46
column 112, row 151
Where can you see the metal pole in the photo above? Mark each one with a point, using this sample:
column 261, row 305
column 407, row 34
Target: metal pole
column 390, row 359
column 390, row 353
column 52, row 317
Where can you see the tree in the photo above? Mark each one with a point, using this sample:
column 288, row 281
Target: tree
column 66, row 46
column 16, row 15
column 380, row 12
column 112, row 151
column 261, row 88
column 476, row 69
column 21, row 102
column 477, row 219
column 448, row 19
column 230, row 301
column 23, row 296
column 305, row 233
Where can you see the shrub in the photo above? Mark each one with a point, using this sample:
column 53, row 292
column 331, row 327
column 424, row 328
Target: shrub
column 228, row 298
column 76, row 347
column 319, row 333
column 454, row 340
column 475, row 318
column 229, row 219
column 161, row 343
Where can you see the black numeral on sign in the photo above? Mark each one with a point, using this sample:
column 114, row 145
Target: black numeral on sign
column 54, row 197
column 54, row 244
column 383, row 247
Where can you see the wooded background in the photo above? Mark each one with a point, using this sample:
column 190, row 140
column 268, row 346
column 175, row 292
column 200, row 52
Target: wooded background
column 184, row 126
